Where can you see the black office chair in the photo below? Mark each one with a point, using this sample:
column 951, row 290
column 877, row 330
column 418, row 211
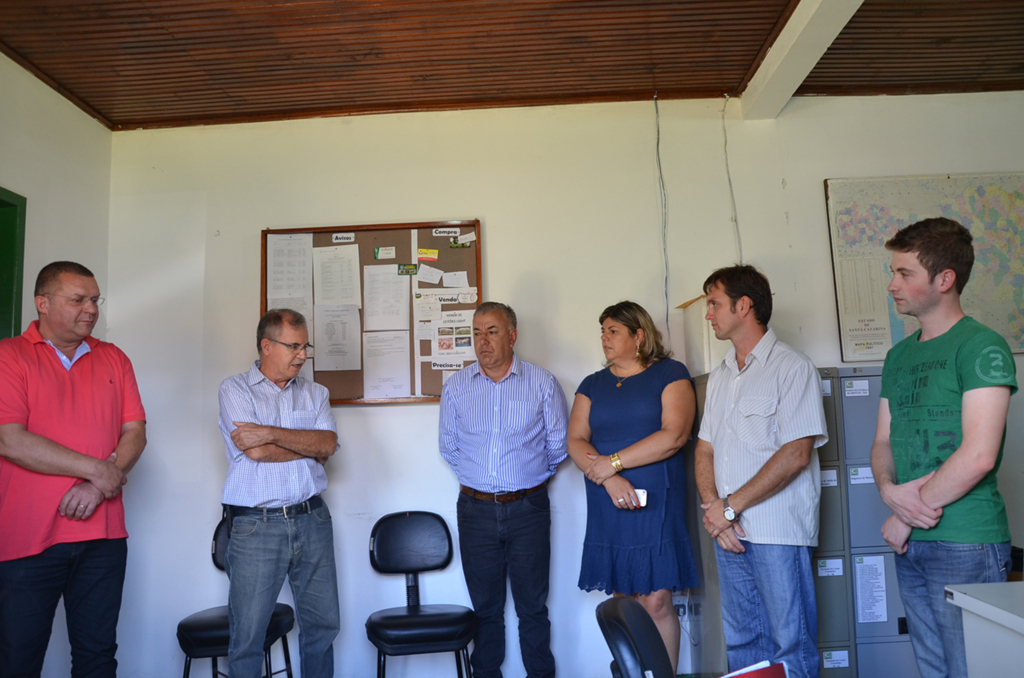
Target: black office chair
column 205, row 634
column 409, row 543
column 636, row 645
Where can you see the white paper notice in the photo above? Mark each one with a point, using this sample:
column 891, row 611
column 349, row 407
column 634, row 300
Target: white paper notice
column 337, row 337
column 289, row 267
column 429, row 274
column 456, row 279
column 830, row 567
column 826, row 387
column 387, row 298
column 307, row 370
column 424, row 331
column 454, row 335
column 466, row 237
column 428, row 310
column 453, row 365
column 303, row 305
column 861, row 475
column 835, row 659
column 461, row 295
column 869, row 572
column 336, row 275
column 856, row 388
column 829, row 477
column 386, row 365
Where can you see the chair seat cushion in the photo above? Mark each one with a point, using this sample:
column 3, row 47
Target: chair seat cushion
column 205, row 634
column 421, row 629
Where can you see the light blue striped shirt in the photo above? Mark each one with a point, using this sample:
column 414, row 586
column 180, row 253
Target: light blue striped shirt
column 67, row 362
column 251, row 397
column 504, row 436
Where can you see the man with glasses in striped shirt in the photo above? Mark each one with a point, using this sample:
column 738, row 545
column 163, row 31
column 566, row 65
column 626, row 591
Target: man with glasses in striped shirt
column 278, row 431
column 758, row 476
column 503, row 431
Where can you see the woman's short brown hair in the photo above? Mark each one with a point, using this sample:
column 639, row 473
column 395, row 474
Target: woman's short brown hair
column 634, row 317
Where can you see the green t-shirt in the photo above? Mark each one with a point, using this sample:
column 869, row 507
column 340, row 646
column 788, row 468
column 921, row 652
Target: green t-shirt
column 924, row 382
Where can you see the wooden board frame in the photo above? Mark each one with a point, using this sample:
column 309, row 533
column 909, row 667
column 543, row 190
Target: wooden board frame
column 346, row 387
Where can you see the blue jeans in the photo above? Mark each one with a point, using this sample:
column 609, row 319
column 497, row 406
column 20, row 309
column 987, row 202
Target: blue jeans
column 261, row 552
column 90, row 577
column 510, row 540
column 769, row 608
column 936, row 627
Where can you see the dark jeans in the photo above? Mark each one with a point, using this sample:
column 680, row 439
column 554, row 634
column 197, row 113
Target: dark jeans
column 90, row 577
column 510, row 540
column 260, row 553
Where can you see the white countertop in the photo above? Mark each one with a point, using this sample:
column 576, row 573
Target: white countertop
column 1002, row 603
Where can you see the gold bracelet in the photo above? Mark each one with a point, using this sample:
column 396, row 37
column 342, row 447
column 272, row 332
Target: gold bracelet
column 616, row 462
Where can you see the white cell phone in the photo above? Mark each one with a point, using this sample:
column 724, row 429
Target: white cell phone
column 642, row 496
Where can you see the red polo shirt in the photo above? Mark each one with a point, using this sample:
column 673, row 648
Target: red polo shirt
column 83, row 409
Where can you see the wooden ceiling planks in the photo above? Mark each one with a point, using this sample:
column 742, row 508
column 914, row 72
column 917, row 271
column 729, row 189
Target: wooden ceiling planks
column 923, row 47
column 148, row 63
column 156, row 63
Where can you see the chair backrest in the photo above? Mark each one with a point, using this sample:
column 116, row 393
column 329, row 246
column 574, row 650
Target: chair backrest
column 636, row 645
column 410, row 542
column 221, row 534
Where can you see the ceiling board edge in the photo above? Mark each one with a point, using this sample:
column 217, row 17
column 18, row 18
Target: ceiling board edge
column 53, row 84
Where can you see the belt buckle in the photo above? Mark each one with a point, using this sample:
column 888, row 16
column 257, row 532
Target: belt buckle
column 299, row 509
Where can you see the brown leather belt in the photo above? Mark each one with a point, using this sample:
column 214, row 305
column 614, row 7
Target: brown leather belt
column 500, row 497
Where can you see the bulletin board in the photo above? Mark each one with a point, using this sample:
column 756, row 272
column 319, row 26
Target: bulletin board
column 389, row 306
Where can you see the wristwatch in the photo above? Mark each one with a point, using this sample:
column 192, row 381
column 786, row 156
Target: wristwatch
column 730, row 514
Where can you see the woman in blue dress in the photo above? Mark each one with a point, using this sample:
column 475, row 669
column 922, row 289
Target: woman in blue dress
column 627, row 423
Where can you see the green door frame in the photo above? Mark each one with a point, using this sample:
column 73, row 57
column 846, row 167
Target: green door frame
column 12, row 261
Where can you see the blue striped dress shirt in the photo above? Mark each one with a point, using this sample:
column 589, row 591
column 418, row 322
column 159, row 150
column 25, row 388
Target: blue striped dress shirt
column 504, row 436
column 251, row 397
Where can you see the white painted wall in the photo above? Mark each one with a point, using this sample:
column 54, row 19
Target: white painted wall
column 569, row 204
column 58, row 158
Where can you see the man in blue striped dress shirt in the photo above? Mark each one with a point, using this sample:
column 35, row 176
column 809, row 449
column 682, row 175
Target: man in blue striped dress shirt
column 278, row 432
column 503, row 432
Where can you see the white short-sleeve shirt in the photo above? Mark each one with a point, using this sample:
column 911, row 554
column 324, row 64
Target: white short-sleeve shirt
column 748, row 415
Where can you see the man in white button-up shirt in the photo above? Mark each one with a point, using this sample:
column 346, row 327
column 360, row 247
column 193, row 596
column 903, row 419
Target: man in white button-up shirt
column 278, row 432
column 758, row 476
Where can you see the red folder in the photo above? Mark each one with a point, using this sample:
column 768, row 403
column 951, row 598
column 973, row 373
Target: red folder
column 773, row 671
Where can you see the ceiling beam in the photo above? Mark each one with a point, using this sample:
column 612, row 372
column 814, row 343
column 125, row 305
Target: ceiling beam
column 812, row 27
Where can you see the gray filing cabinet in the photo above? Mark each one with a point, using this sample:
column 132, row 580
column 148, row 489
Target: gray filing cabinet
column 879, row 624
column 860, row 628
column 831, row 561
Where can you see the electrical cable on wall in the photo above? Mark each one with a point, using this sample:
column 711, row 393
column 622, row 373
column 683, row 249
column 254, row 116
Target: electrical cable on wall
column 732, row 193
column 664, row 213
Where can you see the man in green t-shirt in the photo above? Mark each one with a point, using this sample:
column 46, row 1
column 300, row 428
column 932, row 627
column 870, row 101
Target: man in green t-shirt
column 941, row 426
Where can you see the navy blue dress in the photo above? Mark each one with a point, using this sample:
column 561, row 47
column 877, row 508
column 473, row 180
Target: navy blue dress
column 648, row 549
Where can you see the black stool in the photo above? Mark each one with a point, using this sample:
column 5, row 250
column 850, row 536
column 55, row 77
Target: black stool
column 204, row 635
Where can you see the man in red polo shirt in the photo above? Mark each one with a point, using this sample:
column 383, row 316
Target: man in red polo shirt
column 71, row 426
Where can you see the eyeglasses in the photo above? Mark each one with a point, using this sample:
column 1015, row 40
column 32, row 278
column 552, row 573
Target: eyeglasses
column 78, row 300
column 294, row 348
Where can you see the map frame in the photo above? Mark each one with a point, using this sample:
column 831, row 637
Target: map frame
column 865, row 212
